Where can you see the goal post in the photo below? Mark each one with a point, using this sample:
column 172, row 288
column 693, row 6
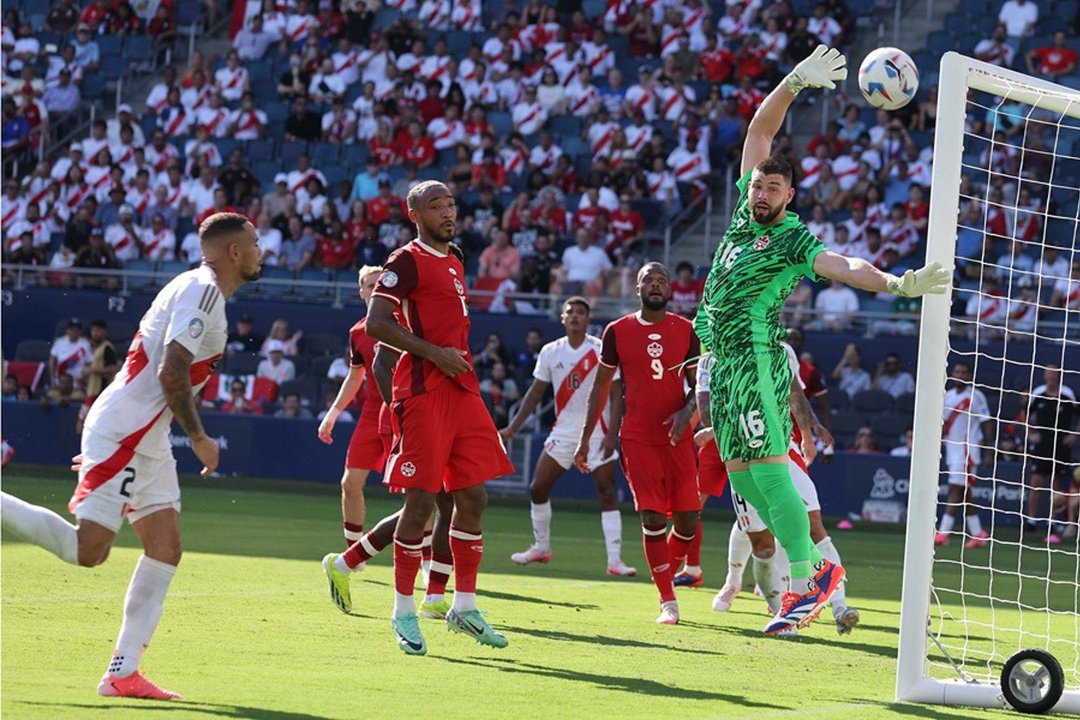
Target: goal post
column 957, row 629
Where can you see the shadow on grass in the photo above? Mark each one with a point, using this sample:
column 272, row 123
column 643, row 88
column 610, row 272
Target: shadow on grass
column 603, row 640
column 536, row 600
column 833, row 644
column 641, row 686
column 211, row 709
column 932, row 712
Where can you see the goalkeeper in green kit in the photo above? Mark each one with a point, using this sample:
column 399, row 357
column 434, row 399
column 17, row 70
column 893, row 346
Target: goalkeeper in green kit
column 764, row 254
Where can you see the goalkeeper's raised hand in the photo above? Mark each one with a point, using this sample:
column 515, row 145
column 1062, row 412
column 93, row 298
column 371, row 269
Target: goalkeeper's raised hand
column 930, row 280
column 824, row 68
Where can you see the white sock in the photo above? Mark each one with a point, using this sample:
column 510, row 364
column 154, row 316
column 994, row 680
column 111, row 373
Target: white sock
column 782, row 566
column 541, row 522
column 694, row 570
column 143, row 604
column 464, row 602
column 40, row 526
column 946, row 523
column 839, row 598
column 738, row 553
column 428, row 599
column 768, row 580
column 403, row 604
column 611, row 522
column 974, row 524
column 341, row 566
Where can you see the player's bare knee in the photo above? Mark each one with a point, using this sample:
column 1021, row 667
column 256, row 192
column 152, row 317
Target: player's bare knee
column 92, row 556
column 652, row 518
column 817, row 528
column 538, row 493
column 685, row 522
column 469, row 505
column 762, row 545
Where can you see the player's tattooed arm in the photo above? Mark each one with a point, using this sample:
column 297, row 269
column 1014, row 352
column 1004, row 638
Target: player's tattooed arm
column 175, row 378
column 382, row 369
column 594, row 405
column 532, row 398
column 705, row 434
column 382, row 326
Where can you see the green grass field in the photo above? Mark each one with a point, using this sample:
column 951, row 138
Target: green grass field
column 249, row 631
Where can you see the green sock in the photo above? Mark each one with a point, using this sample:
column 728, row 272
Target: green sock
column 742, row 482
column 787, row 512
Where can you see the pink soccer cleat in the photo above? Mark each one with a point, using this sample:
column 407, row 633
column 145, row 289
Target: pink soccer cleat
column 533, row 554
column 941, row 539
column 977, row 540
column 134, row 685
column 621, row 569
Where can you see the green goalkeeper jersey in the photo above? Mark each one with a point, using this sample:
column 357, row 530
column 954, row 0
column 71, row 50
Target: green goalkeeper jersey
column 754, row 270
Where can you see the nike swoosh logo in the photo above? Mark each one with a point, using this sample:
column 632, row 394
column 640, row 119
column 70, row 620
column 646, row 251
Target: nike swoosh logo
column 410, row 643
column 472, row 628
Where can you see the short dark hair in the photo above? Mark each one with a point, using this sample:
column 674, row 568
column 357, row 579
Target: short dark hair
column 578, row 300
column 221, row 224
column 773, row 165
column 99, row 324
column 683, row 266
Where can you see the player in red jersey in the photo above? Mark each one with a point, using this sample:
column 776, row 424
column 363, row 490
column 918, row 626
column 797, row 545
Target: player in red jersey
column 367, row 448
column 126, row 468
column 444, row 437
column 651, row 348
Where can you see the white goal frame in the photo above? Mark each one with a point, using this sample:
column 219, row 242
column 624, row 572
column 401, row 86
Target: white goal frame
column 958, row 75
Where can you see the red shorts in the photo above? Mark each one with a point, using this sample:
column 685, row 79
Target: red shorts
column 662, row 478
column 444, row 439
column 367, row 447
column 712, row 474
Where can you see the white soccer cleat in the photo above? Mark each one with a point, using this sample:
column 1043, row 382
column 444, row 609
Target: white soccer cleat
column 724, row 598
column 789, row 633
column 619, row 569
column 847, row 621
column 532, row 555
column 669, row 613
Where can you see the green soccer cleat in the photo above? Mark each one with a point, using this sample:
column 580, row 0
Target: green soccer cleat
column 435, row 610
column 339, row 584
column 407, row 631
column 472, row 623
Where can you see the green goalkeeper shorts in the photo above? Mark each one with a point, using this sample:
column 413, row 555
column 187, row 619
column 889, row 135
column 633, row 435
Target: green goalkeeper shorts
column 748, row 396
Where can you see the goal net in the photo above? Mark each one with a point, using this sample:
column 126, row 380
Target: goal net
column 1004, row 209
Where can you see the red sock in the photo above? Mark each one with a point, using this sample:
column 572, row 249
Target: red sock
column 678, row 547
column 467, row 549
column 441, row 565
column 353, row 532
column 406, row 564
column 693, row 555
column 659, row 559
column 425, row 547
column 363, row 550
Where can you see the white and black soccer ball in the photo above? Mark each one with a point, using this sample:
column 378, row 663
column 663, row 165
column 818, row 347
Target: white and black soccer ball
column 888, row 78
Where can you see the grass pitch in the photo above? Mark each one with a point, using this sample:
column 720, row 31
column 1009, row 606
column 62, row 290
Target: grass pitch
column 249, row 632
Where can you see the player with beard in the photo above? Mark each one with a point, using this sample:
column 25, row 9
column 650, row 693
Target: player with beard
column 651, row 349
column 126, row 466
column 766, row 251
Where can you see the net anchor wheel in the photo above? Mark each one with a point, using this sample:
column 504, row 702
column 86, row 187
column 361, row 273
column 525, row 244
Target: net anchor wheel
column 1032, row 681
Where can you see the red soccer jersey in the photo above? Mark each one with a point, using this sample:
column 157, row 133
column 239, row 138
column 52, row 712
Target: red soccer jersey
column 685, row 298
column 626, row 225
column 813, row 385
column 378, row 208
column 429, row 288
column 650, row 357
column 333, row 254
column 362, row 354
column 1053, row 60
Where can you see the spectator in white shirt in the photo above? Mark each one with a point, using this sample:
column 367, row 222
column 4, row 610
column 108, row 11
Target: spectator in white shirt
column 849, row 374
column 820, row 226
column 996, row 49
column 905, row 449
column 276, row 367
column 891, row 379
column 825, row 27
column 836, row 305
column 1019, row 18
column 585, row 265
column 251, row 42
column 69, row 352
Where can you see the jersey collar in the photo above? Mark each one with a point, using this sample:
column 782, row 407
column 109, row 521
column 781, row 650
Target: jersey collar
column 430, row 249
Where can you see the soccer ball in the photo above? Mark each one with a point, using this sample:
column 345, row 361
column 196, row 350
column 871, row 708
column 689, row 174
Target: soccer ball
column 888, row 78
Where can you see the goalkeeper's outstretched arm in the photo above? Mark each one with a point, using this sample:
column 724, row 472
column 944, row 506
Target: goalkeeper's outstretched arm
column 858, row 273
column 822, row 68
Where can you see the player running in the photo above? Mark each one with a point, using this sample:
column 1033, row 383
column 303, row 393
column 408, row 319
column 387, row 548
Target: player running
column 444, row 437
column 765, row 252
column 569, row 364
column 367, row 447
column 126, row 467
column 651, row 348
column 966, row 416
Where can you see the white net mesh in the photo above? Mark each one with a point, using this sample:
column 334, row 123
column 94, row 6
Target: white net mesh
column 1016, row 325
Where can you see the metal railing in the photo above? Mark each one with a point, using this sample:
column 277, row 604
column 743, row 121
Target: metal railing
column 686, row 221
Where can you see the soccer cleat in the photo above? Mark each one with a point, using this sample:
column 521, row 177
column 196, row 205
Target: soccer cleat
column 789, row 633
column 435, row 610
column 621, row 569
column 801, row 610
column 134, row 685
column 407, row 631
column 339, row 584
column 533, row 554
column 724, row 598
column 669, row 613
column 977, row 540
column 941, row 539
column 685, row 579
column 847, row 621
column 472, row 623
column 1051, row 539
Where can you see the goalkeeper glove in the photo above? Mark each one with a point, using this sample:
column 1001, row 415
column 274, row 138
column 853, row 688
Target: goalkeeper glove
column 932, row 279
column 823, row 68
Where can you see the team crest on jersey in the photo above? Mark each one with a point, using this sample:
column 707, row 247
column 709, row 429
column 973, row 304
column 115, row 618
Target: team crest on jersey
column 459, row 287
column 389, row 279
column 452, row 271
column 655, row 349
column 195, row 327
column 761, row 243
column 408, row 469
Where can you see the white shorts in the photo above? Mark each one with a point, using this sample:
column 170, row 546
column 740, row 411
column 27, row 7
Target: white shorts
column 747, row 517
column 116, row 482
column 960, row 459
column 561, row 447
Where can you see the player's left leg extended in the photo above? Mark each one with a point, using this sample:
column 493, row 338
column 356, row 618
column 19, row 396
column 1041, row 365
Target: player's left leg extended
column 467, row 548
column 352, row 503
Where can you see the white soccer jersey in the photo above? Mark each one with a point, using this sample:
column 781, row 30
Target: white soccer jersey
column 571, row 372
column 965, row 412
column 132, row 410
column 70, row 356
